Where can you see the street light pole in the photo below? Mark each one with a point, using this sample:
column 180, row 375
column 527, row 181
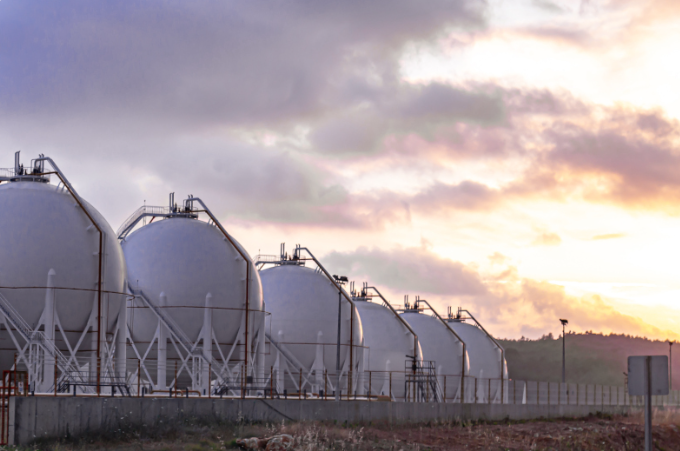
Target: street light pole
column 564, row 353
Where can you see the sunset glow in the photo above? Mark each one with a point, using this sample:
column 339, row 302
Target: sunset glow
column 517, row 158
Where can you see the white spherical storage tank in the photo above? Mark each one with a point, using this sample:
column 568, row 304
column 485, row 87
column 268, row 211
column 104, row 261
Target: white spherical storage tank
column 441, row 347
column 389, row 348
column 487, row 363
column 303, row 303
column 194, row 287
column 61, row 265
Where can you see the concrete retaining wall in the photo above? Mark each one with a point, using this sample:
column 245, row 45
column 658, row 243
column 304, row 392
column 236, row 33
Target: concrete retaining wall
column 32, row 418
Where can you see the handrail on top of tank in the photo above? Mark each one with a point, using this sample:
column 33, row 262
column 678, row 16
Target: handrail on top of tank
column 403, row 321
column 188, row 205
column 418, row 300
column 80, row 202
column 134, row 218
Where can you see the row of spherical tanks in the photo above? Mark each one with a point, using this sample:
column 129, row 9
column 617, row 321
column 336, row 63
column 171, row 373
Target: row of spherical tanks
column 171, row 301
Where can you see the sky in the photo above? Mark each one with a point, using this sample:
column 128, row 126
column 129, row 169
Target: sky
column 516, row 158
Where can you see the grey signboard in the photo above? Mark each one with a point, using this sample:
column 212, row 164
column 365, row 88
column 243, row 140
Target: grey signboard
column 637, row 379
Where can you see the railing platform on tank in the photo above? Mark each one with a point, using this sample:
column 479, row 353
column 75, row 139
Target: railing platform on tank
column 141, row 212
column 34, row 174
column 262, row 259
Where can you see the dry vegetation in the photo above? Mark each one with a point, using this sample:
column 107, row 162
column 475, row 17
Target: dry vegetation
column 593, row 433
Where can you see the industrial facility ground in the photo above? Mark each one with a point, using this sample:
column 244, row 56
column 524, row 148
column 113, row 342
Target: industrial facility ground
column 595, row 432
column 196, row 424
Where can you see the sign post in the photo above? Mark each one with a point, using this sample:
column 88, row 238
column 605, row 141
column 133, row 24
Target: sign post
column 647, row 376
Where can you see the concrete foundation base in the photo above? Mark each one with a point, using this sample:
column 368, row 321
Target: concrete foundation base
column 33, row 418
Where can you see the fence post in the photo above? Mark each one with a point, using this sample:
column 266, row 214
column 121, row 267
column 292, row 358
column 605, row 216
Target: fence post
column 390, row 393
column 475, row 390
column 445, row 389
column 488, row 394
column 369, row 385
column 300, row 386
column 139, row 376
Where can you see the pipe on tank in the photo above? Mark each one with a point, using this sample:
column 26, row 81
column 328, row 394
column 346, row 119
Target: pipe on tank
column 406, row 324
column 462, row 379
column 75, row 195
column 188, row 203
column 497, row 344
column 341, row 290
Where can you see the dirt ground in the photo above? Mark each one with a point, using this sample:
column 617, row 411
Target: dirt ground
column 593, row 433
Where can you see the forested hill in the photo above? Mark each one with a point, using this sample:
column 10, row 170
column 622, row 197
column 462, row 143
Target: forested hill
column 591, row 358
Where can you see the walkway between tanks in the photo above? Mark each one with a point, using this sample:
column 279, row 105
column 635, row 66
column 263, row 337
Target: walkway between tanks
column 32, row 418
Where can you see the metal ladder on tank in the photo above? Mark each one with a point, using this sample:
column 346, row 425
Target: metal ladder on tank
column 435, row 388
column 423, row 385
column 37, row 338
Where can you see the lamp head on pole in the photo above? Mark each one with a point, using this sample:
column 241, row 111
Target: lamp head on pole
column 564, row 322
column 340, row 280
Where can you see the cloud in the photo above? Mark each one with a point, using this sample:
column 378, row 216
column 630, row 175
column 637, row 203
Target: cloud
column 561, row 34
column 400, row 109
column 608, row 236
column 179, row 94
column 548, row 6
column 205, row 62
column 547, row 239
column 616, row 161
column 493, row 294
column 408, row 269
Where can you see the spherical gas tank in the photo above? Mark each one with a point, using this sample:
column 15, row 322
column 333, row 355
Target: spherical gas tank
column 441, row 347
column 47, row 240
column 486, row 361
column 388, row 345
column 304, row 317
column 183, row 265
